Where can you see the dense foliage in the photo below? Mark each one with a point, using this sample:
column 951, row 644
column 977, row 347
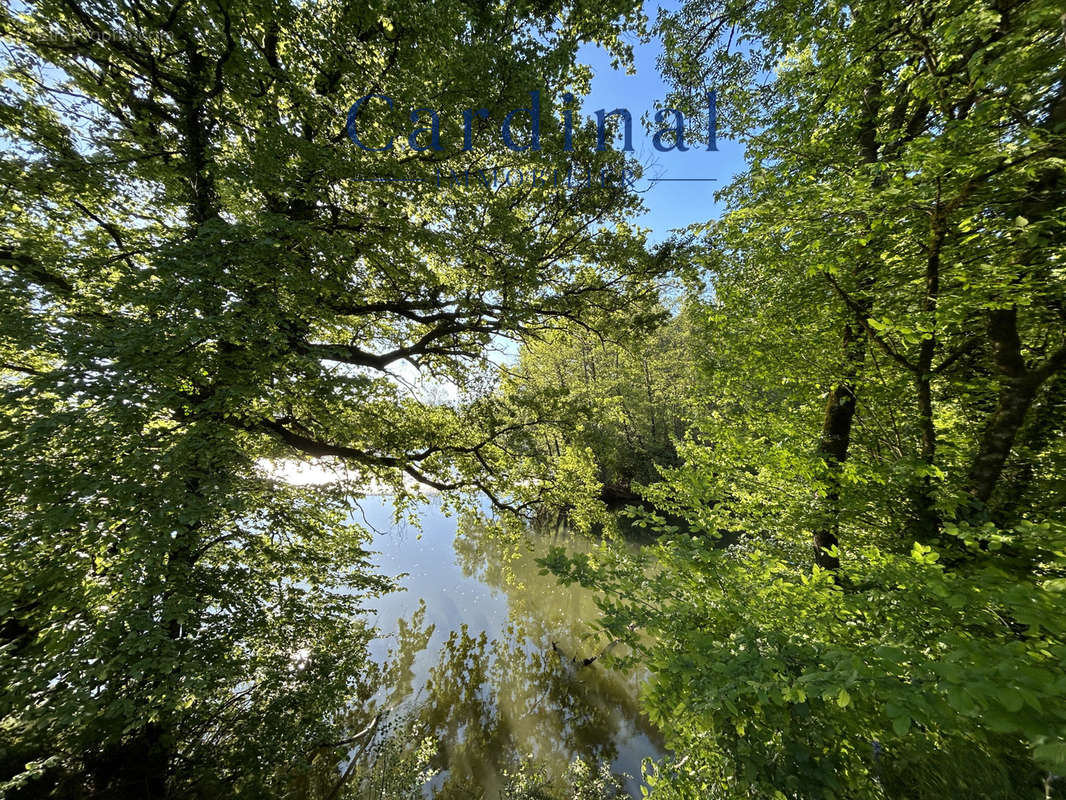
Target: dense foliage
column 884, row 347
column 608, row 410
column 849, row 438
column 197, row 275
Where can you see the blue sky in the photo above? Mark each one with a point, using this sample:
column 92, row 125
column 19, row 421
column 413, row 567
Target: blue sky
column 670, row 204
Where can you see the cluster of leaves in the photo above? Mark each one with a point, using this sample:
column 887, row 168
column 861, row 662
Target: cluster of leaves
column 138, row 631
column 196, row 276
column 865, row 596
column 609, row 409
column 893, row 677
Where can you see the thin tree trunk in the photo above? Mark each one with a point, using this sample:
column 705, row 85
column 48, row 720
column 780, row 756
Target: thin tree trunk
column 835, row 442
column 1019, row 384
column 1018, row 389
column 928, row 522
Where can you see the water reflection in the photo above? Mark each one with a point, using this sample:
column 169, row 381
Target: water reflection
column 487, row 657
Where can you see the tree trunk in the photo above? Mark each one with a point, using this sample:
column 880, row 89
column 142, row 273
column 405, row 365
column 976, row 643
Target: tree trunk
column 840, row 407
column 927, row 520
column 1018, row 389
column 834, row 443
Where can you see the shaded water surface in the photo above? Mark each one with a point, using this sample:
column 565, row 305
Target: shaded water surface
column 489, row 654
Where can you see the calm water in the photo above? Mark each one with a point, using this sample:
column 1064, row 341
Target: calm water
column 485, row 648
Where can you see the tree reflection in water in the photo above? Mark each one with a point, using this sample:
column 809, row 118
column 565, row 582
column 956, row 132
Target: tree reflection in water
column 522, row 695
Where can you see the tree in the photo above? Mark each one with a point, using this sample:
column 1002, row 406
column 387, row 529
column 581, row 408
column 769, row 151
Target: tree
column 200, row 271
column 885, row 347
column 609, row 409
column 925, row 150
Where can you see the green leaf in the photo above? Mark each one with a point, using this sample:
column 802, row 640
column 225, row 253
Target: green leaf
column 901, row 725
column 1052, row 756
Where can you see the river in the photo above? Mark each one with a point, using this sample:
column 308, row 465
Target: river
column 489, row 652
